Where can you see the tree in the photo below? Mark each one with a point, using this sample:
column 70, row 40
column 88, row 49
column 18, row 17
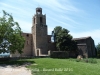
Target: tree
column 11, row 39
column 55, row 32
column 98, row 50
column 63, row 39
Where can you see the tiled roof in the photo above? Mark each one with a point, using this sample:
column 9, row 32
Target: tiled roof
column 81, row 38
column 81, row 44
column 26, row 33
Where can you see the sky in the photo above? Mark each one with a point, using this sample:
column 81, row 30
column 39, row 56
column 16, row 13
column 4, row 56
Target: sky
column 80, row 17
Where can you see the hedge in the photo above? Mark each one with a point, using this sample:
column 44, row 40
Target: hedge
column 59, row 54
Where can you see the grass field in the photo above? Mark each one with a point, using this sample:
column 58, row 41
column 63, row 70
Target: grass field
column 49, row 66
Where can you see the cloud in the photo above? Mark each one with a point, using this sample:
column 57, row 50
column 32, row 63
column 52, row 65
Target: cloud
column 94, row 34
column 57, row 5
column 25, row 26
column 58, row 22
column 65, row 13
column 17, row 10
column 54, row 8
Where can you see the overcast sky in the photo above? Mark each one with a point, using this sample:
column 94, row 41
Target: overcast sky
column 80, row 17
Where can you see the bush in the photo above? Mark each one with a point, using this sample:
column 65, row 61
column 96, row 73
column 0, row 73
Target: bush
column 90, row 60
column 87, row 60
column 59, row 54
column 77, row 60
column 98, row 55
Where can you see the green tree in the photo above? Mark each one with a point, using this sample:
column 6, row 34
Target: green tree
column 63, row 39
column 98, row 50
column 55, row 32
column 11, row 39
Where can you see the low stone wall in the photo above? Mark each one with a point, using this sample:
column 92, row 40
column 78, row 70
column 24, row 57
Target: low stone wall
column 59, row 54
column 63, row 54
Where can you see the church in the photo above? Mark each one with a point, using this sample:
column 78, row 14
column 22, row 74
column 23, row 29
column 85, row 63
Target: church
column 38, row 42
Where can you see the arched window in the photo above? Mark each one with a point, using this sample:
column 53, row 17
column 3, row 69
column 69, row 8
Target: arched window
column 34, row 20
column 27, row 35
column 40, row 19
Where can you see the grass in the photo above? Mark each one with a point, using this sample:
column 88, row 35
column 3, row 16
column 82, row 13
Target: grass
column 87, row 60
column 66, row 66
column 49, row 66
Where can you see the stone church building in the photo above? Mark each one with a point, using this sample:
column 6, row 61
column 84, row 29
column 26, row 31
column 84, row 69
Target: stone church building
column 38, row 43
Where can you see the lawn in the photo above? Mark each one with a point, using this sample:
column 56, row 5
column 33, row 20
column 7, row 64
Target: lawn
column 49, row 66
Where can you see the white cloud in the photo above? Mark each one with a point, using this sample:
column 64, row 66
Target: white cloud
column 17, row 10
column 25, row 26
column 57, row 6
column 94, row 34
column 59, row 12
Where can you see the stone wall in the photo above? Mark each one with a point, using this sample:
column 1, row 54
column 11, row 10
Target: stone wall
column 51, row 45
column 27, row 50
column 85, row 46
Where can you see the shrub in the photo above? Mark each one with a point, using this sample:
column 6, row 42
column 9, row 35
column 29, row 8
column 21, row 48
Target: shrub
column 78, row 60
column 90, row 60
column 98, row 55
column 87, row 60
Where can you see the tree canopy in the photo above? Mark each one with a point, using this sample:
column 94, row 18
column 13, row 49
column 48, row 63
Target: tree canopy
column 98, row 46
column 63, row 39
column 11, row 39
column 98, row 50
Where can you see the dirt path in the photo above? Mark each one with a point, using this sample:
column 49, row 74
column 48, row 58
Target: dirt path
column 14, row 70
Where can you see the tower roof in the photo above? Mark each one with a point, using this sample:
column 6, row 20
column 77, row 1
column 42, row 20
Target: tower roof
column 81, row 38
column 39, row 10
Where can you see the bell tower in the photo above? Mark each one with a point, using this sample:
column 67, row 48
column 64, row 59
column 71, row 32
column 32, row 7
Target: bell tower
column 39, row 33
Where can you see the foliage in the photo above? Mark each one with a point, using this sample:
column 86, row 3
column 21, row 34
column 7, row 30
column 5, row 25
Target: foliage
column 63, row 39
column 92, row 60
column 55, row 32
column 11, row 39
column 87, row 60
column 78, row 60
column 98, row 50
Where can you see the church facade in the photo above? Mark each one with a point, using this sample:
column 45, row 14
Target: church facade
column 38, row 43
